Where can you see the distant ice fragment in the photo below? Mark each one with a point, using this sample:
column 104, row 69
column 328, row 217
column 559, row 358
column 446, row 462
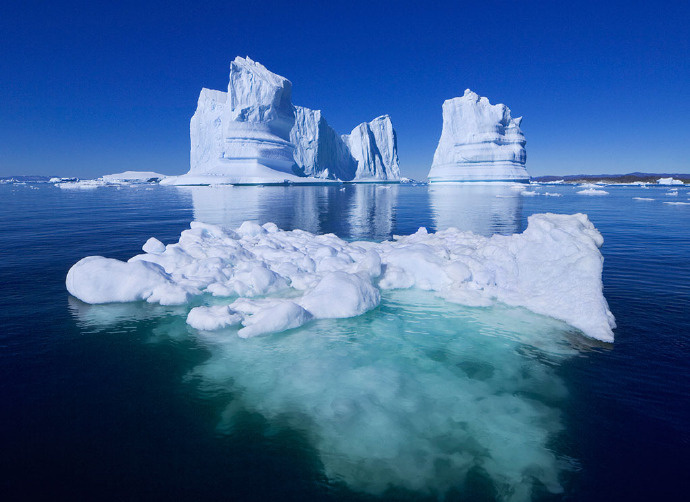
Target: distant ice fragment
column 669, row 181
column 592, row 191
column 133, row 177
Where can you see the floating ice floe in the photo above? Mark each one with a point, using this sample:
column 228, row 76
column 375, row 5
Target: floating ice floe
column 592, row 191
column 285, row 278
column 81, row 184
column 133, row 177
column 678, row 203
column 642, row 198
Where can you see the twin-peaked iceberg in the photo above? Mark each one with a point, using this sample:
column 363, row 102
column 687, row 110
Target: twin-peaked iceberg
column 480, row 142
column 253, row 134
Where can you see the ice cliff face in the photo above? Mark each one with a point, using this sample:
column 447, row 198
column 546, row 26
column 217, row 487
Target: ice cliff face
column 319, row 151
column 374, row 146
column 368, row 153
column 479, row 142
column 253, row 134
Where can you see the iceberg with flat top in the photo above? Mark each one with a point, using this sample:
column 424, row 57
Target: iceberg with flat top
column 480, row 142
column 252, row 134
column 553, row 268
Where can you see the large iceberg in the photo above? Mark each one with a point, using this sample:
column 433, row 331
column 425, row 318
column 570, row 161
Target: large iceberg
column 253, row 134
column 553, row 268
column 243, row 135
column 479, row 142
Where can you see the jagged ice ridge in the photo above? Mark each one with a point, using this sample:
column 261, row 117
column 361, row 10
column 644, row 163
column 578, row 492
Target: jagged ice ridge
column 253, row 134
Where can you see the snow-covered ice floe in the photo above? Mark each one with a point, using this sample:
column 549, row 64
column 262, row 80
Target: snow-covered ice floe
column 279, row 280
column 592, row 191
column 133, row 177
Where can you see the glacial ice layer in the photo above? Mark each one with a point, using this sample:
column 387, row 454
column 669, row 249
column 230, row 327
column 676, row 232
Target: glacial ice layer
column 276, row 280
column 480, row 142
column 253, row 134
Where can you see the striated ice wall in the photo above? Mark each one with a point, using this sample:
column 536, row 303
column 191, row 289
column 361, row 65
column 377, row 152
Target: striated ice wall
column 374, row 145
column 253, row 134
column 479, row 142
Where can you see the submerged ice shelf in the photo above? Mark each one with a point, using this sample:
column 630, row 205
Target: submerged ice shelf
column 279, row 280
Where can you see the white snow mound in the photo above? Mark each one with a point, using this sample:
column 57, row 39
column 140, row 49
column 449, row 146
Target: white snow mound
column 553, row 268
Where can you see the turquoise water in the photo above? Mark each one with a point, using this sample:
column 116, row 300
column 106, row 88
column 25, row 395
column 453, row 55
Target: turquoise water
column 418, row 399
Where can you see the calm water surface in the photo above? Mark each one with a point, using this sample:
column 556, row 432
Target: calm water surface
column 415, row 400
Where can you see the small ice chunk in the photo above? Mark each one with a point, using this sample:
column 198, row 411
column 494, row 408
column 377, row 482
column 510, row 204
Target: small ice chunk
column 212, row 318
column 592, row 191
column 153, row 246
column 340, row 294
column 642, row 198
column 95, row 279
column 269, row 316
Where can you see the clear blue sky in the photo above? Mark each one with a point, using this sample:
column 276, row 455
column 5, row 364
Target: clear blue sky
column 88, row 88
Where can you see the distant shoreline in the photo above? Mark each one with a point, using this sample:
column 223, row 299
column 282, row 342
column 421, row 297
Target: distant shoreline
column 613, row 178
column 569, row 178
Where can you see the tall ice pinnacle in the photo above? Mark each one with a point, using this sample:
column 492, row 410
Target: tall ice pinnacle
column 374, row 145
column 479, row 142
column 244, row 135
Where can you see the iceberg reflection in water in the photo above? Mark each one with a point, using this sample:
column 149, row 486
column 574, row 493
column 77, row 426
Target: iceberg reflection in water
column 362, row 211
column 355, row 211
column 483, row 209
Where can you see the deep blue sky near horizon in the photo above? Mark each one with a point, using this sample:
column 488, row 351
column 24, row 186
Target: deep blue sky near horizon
column 89, row 89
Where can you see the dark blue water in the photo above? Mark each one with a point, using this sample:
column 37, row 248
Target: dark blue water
column 109, row 408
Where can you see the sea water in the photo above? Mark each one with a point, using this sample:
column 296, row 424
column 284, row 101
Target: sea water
column 417, row 399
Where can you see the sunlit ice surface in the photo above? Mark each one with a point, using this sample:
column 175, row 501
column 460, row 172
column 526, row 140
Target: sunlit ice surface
column 418, row 395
